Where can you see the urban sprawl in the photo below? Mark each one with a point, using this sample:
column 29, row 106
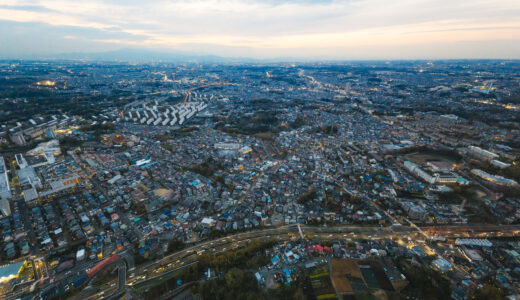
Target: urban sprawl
column 360, row 180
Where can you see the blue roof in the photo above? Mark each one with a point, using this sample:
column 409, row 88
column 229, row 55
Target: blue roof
column 384, row 177
column 10, row 270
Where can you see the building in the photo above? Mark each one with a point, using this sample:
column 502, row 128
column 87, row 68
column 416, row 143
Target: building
column 5, row 190
column 245, row 150
column 418, row 171
column 481, row 153
column 473, row 242
column 435, row 178
column 30, row 196
column 114, row 179
column 50, row 133
column 227, row 146
column 20, row 161
column 27, row 176
column 12, row 274
column 67, row 184
column 499, row 164
column 413, row 210
column 5, row 207
column 52, row 146
column 495, row 179
column 9, row 272
column 17, row 138
column 441, row 264
column 440, row 166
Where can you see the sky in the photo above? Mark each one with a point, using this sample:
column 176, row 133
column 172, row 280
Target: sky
column 310, row 29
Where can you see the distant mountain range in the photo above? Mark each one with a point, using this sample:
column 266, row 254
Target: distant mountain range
column 145, row 55
column 140, row 55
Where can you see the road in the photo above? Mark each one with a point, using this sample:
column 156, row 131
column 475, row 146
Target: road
column 338, row 232
column 156, row 270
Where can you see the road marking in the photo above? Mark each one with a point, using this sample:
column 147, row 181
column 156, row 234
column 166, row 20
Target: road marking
column 300, row 231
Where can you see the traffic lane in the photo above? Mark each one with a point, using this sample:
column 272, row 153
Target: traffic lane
column 232, row 242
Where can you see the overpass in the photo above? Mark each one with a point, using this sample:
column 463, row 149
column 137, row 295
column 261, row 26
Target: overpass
column 123, row 261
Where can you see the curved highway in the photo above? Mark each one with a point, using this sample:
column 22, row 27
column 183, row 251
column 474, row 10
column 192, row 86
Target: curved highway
column 174, row 261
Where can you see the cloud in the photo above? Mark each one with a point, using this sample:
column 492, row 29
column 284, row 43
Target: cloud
column 26, row 8
column 271, row 28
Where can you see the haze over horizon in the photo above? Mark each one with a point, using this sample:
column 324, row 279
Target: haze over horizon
column 304, row 29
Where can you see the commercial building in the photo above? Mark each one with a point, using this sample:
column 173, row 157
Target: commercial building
column 5, row 190
column 27, row 176
column 52, row 146
column 12, row 271
column 20, row 161
column 17, row 138
column 64, row 184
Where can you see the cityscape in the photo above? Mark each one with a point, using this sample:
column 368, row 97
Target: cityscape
column 372, row 180
column 260, row 150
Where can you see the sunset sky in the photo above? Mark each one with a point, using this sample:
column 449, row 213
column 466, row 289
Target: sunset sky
column 320, row 29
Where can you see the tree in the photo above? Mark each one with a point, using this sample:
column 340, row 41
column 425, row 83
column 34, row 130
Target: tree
column 175, row 245
column 307, row 197
column 191, row 274
column 489, row 292
column 69, row 142
column 236, row 284
column 234, row 278
column 425, row 283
